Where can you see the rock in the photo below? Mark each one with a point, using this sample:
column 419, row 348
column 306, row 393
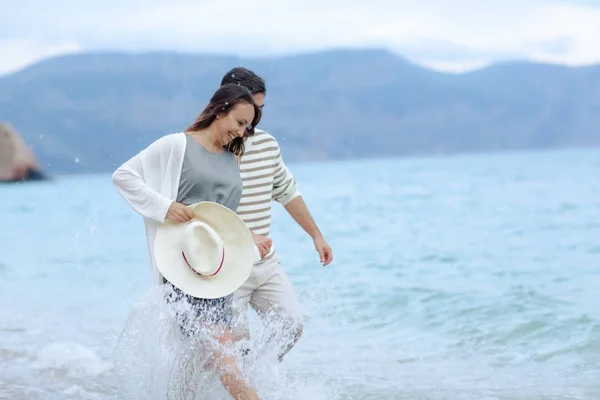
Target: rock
column 17, row 161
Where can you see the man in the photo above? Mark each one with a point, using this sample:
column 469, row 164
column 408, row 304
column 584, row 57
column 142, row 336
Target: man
column 265, row 178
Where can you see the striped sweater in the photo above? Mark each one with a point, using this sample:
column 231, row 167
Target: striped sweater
column 265, row 177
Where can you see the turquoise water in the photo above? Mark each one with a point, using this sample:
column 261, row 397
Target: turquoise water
column 472, row 277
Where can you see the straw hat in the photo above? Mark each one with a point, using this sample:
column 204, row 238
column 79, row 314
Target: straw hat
column 208, row 257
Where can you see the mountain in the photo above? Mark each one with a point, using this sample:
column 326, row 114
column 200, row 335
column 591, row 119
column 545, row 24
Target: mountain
column 90, row 112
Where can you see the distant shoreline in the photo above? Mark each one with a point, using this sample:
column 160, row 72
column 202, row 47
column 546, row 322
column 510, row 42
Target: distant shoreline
column 369, row 160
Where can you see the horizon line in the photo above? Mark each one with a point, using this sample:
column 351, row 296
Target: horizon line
column 303, row 53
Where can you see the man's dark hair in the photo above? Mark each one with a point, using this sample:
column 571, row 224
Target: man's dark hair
column 244, row 77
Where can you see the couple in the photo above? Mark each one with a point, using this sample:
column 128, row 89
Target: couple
column 174, row 183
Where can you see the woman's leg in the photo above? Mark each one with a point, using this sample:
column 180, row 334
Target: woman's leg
column 187, row 367
column 215, row 316
column 229, row 372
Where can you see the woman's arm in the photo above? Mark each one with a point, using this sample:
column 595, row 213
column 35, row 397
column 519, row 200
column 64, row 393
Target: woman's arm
column 131, row 184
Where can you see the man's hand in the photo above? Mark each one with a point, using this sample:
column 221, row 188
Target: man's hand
column 325, row 253
column 263, row 244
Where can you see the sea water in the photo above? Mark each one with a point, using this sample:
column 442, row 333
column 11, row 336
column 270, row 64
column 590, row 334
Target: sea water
column 467, row 277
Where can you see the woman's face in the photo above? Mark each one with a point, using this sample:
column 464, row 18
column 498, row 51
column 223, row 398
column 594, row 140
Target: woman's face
column 234, row 123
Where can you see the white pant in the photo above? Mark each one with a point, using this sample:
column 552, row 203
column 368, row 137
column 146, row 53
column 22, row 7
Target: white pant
column 269, row 291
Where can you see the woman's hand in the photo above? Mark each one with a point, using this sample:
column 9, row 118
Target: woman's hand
column 263, row 244
column 179, row 213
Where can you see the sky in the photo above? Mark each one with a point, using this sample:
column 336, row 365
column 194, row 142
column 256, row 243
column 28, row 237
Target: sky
column 447, row 35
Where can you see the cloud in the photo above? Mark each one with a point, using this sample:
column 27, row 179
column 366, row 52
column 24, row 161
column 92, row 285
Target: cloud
column 444, row 34
column 20, row 52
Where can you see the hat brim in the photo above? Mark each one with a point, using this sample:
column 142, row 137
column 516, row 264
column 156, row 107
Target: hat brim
column 239, row 257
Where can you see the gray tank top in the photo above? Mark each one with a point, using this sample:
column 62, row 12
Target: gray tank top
column 207, row 176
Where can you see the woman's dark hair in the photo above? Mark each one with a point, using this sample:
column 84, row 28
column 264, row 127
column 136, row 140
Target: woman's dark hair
column 224, row 99
column 245, row 77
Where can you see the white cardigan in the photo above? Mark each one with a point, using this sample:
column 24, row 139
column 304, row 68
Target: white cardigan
column 149, row 183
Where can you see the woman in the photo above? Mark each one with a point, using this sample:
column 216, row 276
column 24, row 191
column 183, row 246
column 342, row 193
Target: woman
column 185, row 168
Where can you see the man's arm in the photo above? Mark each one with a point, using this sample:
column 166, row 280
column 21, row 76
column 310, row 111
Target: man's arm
column 285, row 191
column 299, row 211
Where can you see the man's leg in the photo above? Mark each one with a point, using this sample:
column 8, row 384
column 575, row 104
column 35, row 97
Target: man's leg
column 276, row 303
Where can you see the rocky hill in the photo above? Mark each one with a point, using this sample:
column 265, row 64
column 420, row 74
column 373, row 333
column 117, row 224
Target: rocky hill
column 17, row 161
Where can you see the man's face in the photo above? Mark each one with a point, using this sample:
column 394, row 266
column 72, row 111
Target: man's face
column 259, row 99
